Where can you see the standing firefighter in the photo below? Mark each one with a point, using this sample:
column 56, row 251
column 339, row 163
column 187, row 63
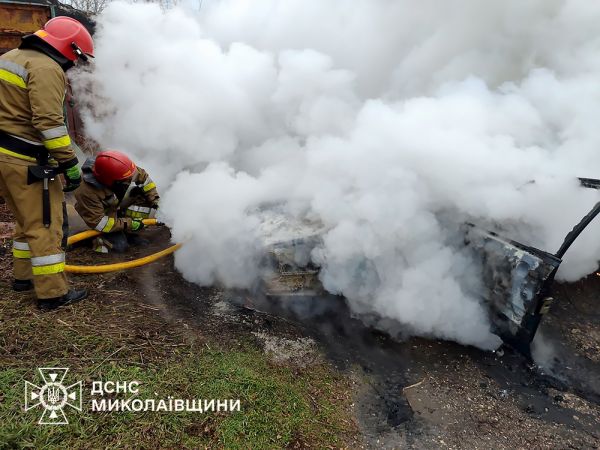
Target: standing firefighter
column 35, row 149
column 114, row 198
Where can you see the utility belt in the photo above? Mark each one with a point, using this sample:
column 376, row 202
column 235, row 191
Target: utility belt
column 42, row 172
column 18, row 148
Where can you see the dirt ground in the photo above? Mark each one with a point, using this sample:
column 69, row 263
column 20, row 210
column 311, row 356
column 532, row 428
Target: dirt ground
column 412, row 393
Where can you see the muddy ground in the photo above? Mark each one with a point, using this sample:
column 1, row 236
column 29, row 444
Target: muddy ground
column 415, row 393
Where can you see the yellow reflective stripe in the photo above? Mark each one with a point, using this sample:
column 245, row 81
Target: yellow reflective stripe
column 136, row 214
column 102, row 223
column 109, row 225
column 21, row 254
column 12, row 78
column 63, row 141
column 16, row 155
column 50, row 269
column 149, row 186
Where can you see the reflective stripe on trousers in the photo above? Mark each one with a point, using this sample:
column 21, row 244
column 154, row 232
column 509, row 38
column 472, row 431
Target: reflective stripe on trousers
column 21, row 250
column 48, row 265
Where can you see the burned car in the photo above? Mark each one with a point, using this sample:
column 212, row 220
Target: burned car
column 517, row 278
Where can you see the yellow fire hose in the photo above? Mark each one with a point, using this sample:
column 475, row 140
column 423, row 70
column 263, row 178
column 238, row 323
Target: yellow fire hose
column 117, row 266
column 91, row 233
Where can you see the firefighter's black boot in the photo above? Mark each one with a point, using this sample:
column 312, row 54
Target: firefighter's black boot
column 112, row 242
column 73, row 296
column 22, row 285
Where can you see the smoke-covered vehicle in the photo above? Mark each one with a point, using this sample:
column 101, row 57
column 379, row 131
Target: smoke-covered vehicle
column 517, row 278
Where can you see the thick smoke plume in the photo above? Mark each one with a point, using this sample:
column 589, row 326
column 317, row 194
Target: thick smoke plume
column 389, row 123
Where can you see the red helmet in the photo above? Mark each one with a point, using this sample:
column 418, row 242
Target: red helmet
column 111, row 166
column 69, row 37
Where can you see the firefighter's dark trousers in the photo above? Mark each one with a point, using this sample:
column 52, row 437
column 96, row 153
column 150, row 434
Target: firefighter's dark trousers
column 38, row 252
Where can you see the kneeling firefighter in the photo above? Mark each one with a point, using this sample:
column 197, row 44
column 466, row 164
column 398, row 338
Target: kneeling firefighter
column 35, row 149
column 114, row 198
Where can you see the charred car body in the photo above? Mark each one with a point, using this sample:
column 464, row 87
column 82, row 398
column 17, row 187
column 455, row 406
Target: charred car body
column 517, row 278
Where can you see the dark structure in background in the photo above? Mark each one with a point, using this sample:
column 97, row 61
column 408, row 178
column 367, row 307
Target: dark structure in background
column 21, row 17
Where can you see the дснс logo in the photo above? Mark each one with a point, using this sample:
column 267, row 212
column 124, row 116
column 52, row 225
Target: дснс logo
column 53, row 396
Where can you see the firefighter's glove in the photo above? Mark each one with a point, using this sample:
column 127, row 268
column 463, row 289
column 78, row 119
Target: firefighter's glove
column 137, row 225
column 73, row 177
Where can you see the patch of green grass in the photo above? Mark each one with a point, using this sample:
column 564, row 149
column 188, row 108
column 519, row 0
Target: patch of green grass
column 281, row 406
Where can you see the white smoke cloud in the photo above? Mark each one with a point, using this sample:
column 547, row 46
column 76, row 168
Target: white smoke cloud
column 390, row 123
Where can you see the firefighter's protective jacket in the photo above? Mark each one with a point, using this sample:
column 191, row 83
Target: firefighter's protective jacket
column 31, row 105
column 32, row 131
column 102, row 209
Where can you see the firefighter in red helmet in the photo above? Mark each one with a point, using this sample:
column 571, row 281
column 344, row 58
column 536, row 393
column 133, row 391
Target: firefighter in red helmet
column 114, row 198
column 35, row 149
